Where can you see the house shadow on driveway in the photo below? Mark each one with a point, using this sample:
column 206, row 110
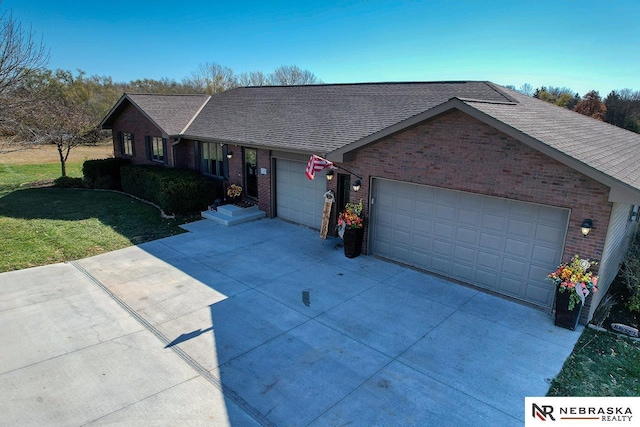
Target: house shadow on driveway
column 294, row 333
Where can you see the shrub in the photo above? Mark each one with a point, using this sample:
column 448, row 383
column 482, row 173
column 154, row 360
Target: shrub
column 68, row 182
column 103, row 173
column 174, row 190
column 630, row 272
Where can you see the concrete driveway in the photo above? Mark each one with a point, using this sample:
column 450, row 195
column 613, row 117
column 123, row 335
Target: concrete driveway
column 263, row 323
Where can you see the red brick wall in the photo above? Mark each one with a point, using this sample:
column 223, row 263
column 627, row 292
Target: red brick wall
column 131, row 120
column 185, row 155
column 456, row 151
column 459, row 152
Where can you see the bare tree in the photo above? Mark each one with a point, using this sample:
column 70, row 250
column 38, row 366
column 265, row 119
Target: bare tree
column 57, row 113
column 288, row 75
column 252, row 78
column 526, row 89
column 20, row 53
column 213, row 78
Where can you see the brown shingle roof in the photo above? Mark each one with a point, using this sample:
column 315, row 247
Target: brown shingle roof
column 322, row 118
column 170, row 113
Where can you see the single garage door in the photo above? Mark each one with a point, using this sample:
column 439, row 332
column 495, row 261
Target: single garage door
column 299, row 199
column 503, row 245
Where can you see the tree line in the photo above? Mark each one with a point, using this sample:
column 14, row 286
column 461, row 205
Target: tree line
column 43, row 106
column 620, row 108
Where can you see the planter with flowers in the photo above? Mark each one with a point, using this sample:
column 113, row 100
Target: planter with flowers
column 574, row 282
column 351, row 229
column 234, row 192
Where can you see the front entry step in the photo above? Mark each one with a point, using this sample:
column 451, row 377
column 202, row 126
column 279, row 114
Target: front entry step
column 232, row 214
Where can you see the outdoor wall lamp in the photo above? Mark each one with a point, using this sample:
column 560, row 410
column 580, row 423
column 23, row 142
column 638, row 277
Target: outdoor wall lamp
column 356, row 185
column 329, row 175
column 586, row 227
column 229, row 154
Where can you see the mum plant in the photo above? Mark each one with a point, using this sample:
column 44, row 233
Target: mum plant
column 234, row 191
column 350, row 217
column 575, row 277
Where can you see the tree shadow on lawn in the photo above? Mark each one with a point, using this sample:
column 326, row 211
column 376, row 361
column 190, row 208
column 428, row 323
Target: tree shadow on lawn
column 131, row 218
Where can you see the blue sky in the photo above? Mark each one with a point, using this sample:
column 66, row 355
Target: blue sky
column 579, row 44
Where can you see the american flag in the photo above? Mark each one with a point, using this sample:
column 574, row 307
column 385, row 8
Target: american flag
column 316, row 164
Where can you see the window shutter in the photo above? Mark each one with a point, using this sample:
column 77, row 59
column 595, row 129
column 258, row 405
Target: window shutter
column 149, row 146
column 119, row 138
column 196, row 151
column 133, row 146
column 165, row 156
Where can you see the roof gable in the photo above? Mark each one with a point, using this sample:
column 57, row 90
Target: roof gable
column 170, row 113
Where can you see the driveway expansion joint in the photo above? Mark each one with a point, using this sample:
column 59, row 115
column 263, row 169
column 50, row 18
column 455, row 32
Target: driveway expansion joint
column 226, row 391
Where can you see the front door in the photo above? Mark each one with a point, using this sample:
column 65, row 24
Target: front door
column 251, row 172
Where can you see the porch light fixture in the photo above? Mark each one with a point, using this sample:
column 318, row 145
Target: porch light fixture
column 329, row 175
column 229, row 154
column 586, row 227
column 356, row 185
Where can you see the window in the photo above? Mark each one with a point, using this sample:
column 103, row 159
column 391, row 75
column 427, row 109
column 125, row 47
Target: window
column 126, row 143
column 250, row 172
column 155, row 148
column 212, row 159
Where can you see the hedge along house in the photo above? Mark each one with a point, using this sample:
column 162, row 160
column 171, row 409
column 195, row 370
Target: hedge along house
column 468, row 180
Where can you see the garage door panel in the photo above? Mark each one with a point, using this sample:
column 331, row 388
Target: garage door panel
column 550, row 215
column 464, row 253
column 299, row 199
column 499, row 244
column 486, row 279
column 422, row 226
column 402, row 238
column 442, row 248
column 515, row 267
column 494, row 222
column 421, row 244
column 441, row 265
column 444, row 212
column 518, row 248
column 545, row 233
column 467, row 235
column 446, row 231
column 545, row 254
column 519, row 227
column 463, row 272
column 491, row 242
column 540, row 295
column 512, row 286
column 423, row 209
column 488, row 260
column 467, row 217
column 402, row 221
column 404, row 204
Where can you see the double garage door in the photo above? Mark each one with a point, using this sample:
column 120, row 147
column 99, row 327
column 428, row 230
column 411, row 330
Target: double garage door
column 299, row 199
column 502, row 245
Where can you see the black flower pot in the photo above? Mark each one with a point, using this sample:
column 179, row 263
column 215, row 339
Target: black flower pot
column 352, row 242
column 566, row 318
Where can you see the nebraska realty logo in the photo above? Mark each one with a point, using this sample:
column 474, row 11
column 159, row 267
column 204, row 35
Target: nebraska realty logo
column 581, row 410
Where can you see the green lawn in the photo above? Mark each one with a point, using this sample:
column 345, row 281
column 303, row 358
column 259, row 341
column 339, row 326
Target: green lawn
column 47, row 225
column 602, row 364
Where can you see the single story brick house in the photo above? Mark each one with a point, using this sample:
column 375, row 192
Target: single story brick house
column 468, row 180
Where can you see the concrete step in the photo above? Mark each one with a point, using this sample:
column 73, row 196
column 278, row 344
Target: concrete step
column 232, row 214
